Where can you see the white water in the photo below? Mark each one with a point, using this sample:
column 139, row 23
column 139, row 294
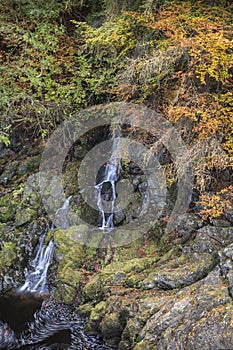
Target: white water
column 36, row 277
column 110, row 177
column 61, row 215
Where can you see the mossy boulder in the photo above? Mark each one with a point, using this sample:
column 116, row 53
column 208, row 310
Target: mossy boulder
column 8, row 255
column 93, row 291
column 67, row 282
column 70, row 256
column 96, row 315
column 116, row 274
column 8, row 173
column 204, row 308
column 84, row 310
column 111, row 329
column 131, row 330
column 82, row 213
column 25, row 216
column 182, row 271
column 8, row 208
column 3, row 228
column 29, row 165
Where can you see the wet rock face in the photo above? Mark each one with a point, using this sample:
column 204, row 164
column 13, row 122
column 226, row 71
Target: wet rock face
column 180, row 297
column 20, row 205
column 226, row 265
column 187, row 319
column 158, row 293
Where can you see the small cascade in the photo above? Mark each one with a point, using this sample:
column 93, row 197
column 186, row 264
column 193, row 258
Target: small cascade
column 61, row 215
column 36, row 278
column 106, row 187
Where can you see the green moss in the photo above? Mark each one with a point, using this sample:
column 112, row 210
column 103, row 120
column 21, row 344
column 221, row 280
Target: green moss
column 136, row 265
column 8, row 255
column 70, row 178
column 145, row 345
column 6, row 214
column 84, row 310
column 111, row 327
column 8, row 208
column 97, row 313
column 3, row 228
column 93, row 290
column 132, row 281
column 67, row 286
column 131, row 331
column 25, row 216
column 69, row 250
column 169, row 254
column 70, row 256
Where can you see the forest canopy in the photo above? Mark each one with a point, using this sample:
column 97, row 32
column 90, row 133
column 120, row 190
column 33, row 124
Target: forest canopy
column 173, row 56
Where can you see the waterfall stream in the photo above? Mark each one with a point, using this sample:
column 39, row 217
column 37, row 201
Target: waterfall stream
column 45, row 322
column 106, row 186
column 36, row 278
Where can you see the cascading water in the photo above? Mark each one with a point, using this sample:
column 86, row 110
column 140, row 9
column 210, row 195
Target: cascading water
column 36, row 278
column 61, row 215
column 106, row 187
column 45, row 330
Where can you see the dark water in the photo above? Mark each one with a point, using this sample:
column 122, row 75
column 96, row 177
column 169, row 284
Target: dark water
column 18, row 309
column 29, row 322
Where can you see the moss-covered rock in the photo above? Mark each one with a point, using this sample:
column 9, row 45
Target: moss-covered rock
column 8, row 173
column 29, row 165
column 70, row 256
column 181, row 272
column 3, row 229
column 25, row 216
column 131, row 331
column 118, row 274
column 6, row 214
column 111, row 329
column 8, row 208
column 96, row 315
column 8, row 255
column 186, row 284
column 84, row 310
column 197, row 309
column 67, row 282
column 93, row 291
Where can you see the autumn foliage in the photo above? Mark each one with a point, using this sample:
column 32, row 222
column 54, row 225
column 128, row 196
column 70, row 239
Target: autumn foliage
column 173, row 56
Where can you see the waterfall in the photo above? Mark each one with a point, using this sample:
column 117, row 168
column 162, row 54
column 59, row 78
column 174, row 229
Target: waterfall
column 61, row 215
column 36, row 278
column 106, row 187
